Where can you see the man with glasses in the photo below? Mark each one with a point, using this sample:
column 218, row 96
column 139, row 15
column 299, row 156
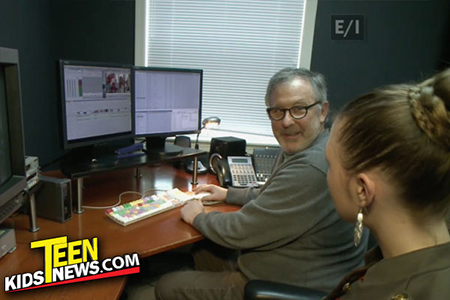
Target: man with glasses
column 287, row 230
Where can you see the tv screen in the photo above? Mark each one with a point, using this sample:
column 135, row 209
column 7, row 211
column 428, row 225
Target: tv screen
column 5, row 148
column 168, row 101
column 97, row 103
column 12, row 156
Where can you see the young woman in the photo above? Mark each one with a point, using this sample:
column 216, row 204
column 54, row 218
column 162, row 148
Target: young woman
column 389, row 169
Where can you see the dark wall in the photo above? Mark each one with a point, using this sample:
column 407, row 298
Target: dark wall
column 95, row 30
column 45, row 31
column 404, row 41
column 27, row 26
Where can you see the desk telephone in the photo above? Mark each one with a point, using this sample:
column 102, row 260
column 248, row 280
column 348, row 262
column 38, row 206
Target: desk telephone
column 238, row 171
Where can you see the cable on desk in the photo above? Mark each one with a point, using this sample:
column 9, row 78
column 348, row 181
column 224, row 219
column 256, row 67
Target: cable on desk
column 118, row 202
column 141, row 195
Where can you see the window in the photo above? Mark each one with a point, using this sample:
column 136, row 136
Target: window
column 239, row 45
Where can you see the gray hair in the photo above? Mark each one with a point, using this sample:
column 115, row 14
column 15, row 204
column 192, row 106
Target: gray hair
column 316, row 80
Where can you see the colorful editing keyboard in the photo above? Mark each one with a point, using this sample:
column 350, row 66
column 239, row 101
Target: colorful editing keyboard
column 149, row 206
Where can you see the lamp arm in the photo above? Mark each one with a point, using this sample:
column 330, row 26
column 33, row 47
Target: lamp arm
column 196, row 140
column 195, row 170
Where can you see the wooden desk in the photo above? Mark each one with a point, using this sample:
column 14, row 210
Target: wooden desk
column 154, row 235
column 74, row 169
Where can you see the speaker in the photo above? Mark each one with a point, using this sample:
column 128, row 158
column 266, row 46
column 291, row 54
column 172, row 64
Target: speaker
column 54, row 199
column 228, row 146
column 7, row 241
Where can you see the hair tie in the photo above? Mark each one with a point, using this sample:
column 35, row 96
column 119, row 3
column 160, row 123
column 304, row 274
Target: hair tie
column 414, row 93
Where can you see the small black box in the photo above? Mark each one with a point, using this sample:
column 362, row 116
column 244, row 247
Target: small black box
column 228, row 146
column 54, row 199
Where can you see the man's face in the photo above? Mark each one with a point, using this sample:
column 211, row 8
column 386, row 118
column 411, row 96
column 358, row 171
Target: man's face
column 295, row 135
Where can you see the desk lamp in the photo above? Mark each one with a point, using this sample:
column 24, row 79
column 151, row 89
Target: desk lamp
column 197, row 167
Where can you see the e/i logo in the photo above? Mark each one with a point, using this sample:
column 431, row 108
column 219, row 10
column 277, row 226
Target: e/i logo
column 347, row 27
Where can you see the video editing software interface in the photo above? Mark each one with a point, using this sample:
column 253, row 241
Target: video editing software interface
column 168, row 101
column 98, row 101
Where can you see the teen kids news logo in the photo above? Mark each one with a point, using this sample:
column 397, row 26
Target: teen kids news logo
column 71, row 262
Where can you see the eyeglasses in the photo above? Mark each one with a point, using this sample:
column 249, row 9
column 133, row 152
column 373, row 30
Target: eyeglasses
column 297, row 112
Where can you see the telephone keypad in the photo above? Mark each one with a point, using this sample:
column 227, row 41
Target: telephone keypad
column 242, row 172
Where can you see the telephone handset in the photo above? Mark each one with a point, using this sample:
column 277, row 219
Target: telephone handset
column 236, row 171
column 220, row 167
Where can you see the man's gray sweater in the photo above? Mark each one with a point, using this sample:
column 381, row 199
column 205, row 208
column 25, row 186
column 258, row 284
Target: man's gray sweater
column 288, row 230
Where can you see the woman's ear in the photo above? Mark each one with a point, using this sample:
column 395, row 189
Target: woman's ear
column 365, row 189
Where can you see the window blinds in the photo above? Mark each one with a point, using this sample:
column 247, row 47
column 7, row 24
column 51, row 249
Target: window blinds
column 238, row 44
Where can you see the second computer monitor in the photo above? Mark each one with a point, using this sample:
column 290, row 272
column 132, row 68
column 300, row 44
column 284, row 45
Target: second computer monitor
column 168, row 101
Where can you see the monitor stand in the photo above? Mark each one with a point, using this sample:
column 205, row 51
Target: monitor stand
column 102, row 162
column 157, row 145
column 94, row 157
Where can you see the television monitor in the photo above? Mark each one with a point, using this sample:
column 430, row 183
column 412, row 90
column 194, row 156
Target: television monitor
column 12, row 153
column 97, row 105
column 168, row 102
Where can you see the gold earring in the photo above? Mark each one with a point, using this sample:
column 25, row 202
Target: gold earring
column 358, row 228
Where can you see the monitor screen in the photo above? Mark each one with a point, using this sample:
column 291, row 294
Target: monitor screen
column 5, row 148
column 12, row 156
column 97, row 103
column 168, row 101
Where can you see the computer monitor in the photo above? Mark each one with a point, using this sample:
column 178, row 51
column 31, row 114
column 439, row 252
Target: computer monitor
column 97, row 103
column 12, row 153
column 168, row 103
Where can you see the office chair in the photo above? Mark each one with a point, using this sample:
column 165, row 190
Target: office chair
column 188, row 164
column 269, row 290
column 182, row 141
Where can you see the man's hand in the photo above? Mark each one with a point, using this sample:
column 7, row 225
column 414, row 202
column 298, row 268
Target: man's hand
column 191, row 210
column 217, row 193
